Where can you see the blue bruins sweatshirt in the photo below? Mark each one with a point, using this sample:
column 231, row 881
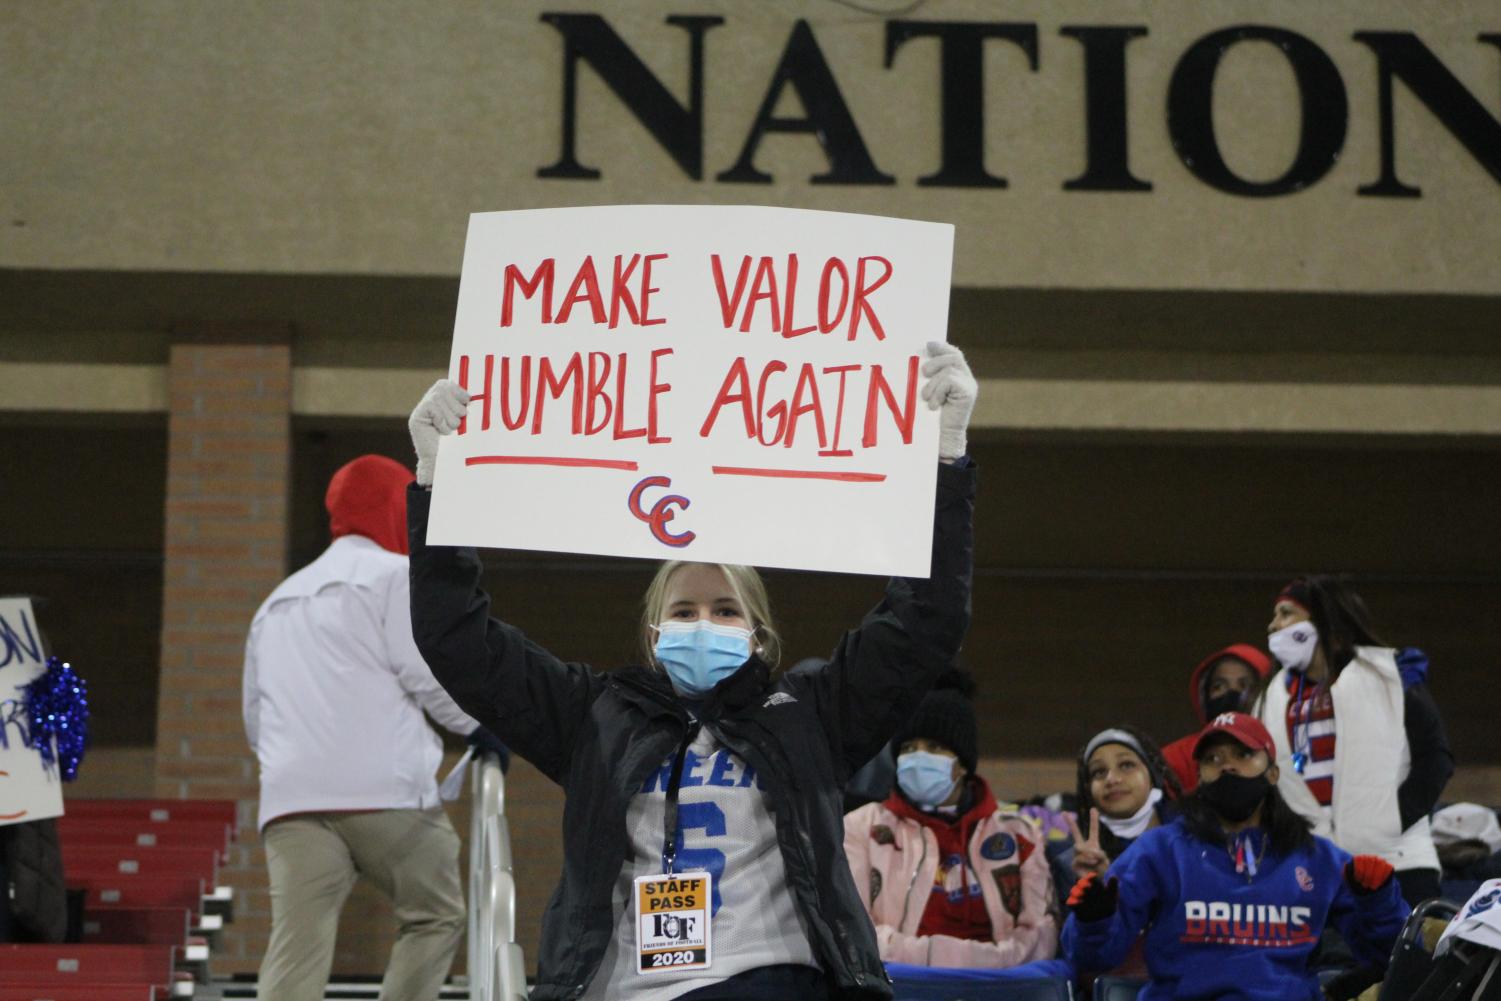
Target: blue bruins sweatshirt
column 1214, row 933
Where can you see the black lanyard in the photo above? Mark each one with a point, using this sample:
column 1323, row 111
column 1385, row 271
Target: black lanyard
column 670, row 815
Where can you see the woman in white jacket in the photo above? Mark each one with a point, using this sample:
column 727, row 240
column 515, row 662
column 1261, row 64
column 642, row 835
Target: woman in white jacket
column 1359, row 740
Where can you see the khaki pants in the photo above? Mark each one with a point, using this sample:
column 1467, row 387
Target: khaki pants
column 412, row 856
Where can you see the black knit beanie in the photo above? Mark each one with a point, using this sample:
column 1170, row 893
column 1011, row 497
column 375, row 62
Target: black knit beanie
column 945, row 716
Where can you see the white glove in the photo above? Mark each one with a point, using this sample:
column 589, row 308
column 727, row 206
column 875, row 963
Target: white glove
column 439, row 413
column 952, row 387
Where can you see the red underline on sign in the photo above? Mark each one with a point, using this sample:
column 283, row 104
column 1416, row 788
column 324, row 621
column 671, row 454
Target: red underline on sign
column 547, row 460
column 800, row 474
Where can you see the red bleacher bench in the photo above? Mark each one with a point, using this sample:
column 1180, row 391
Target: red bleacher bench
column 139, row 891
column 44, row 968
column 155, row 811
column 101, row 964
column 137, row 925
column 131, row 860
column 79, row 992
column 104, row 832
column 148, row 869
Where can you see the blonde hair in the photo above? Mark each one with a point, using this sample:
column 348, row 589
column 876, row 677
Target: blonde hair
column 750, row 592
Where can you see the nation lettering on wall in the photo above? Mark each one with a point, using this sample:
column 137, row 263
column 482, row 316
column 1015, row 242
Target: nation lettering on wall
column 717, row 383
column 1395, row 61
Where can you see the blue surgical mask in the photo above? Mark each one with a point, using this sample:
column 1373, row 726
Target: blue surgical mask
column 699, row 655
column 925, row 777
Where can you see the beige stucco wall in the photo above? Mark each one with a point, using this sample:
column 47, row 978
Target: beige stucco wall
column 356, row 135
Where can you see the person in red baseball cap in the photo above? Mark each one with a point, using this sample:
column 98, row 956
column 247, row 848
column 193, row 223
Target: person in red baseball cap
column 1237, row 791
column 1230, row 899
column 1227, row 680
column 1247, row 730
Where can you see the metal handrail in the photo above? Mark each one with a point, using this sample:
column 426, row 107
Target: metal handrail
column 496, row 968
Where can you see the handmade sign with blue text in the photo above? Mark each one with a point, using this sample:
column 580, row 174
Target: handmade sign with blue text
column 29, row 788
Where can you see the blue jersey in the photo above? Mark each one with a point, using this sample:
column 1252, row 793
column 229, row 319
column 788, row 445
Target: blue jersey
column 1232, row 930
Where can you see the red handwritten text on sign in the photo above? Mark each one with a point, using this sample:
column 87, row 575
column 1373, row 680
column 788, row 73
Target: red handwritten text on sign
column 595, row 390
column 760, row 361
column 852, row 299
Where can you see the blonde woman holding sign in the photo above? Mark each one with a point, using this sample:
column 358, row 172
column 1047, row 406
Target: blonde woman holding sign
column 703, row 831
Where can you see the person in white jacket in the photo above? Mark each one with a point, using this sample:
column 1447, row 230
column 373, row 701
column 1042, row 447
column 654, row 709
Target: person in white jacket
column 1359, row 740
column 334, row 696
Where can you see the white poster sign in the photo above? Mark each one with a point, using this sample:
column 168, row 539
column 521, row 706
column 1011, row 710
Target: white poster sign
column 28, row 791
column 726, row 384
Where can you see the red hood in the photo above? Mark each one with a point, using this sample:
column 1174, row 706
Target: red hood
column 1250, row 655
column 368, row 496
column 984, row 806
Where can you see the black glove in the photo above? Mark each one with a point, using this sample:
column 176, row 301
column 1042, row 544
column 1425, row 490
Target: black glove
column 1092, row 898
column 483, row 740
column 1352, row 983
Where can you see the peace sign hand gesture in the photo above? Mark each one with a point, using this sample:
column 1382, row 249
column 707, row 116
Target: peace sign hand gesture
column 1089, row 857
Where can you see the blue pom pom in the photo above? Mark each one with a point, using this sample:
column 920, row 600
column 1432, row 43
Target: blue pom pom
column 57, row 706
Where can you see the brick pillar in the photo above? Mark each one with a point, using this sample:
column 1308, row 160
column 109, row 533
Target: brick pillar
column 228, row 479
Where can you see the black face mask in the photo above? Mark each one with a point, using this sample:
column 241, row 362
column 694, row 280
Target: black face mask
column 1226, row 702
column 1235, row 797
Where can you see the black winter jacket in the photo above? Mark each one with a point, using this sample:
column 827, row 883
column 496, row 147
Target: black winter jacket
column 600, row 735
column 35, row 904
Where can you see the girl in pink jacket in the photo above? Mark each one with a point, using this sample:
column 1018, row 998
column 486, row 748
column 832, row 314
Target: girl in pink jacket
column 948, row 877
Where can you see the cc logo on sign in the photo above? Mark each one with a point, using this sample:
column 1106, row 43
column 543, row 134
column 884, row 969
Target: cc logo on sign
column 661, row 512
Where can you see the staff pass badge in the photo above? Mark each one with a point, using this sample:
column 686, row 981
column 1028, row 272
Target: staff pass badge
column 673, row 922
